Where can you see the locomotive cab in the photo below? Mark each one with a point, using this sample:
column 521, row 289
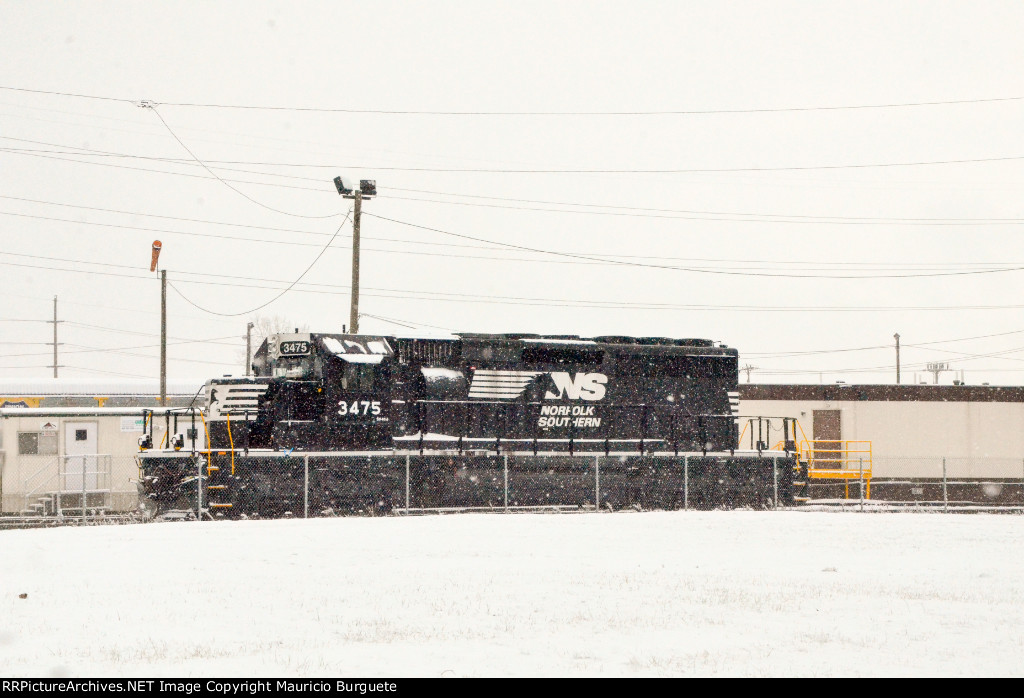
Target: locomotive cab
column 326, row 392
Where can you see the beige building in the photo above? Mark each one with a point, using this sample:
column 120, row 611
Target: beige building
column 65, row 442
column 977, row 430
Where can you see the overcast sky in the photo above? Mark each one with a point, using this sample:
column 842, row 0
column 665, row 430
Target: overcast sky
column 798, row 180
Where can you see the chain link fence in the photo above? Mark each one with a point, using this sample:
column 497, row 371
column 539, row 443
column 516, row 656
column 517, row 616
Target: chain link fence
column 300, row 485
column 946, row 482
column 66, row 486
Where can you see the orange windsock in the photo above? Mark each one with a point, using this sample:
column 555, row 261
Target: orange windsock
column 156, row 254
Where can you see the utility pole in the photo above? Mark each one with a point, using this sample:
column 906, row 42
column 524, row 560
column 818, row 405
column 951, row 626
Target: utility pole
column 353, row 316
column 248, row 349
column 748, row 368
column 897, row 338
column 55, row 336
column 367, row 188
column 163, row 337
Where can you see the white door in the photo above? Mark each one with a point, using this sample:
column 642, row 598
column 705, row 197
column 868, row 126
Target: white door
column 80, row 448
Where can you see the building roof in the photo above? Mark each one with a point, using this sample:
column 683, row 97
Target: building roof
column 835, row 392
column 40, row 387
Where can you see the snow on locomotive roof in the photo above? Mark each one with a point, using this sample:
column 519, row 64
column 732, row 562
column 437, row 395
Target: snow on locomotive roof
column 603, row 339
column 559, row 341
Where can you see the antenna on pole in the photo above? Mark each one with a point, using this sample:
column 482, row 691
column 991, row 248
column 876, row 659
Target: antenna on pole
column 937, row 368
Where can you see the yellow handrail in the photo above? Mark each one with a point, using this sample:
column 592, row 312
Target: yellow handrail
column 231, row 440
column 846, row 460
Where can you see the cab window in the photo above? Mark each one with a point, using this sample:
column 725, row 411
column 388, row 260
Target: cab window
column 358, row 378
column 294, row 368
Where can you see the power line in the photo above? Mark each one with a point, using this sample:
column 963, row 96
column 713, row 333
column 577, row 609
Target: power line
column 696, row 270
column 482, row 170
column 880, row 219
column 92, row 152
column 66, row 94
column 377, row 238
column 594, row 258
column 419, row 295
column 606, row 209
column 152, row 334
column 964, row 357
column 766, row 218
column 14, row 151
column 775, row 355
column 109, row 373
column 405, row 323
column 83, row 349
column 195, row 157
column 121, row 352
column 682, row 170
column 290, row 286
column 209, row 235
column 157, row 215
column 407, row 112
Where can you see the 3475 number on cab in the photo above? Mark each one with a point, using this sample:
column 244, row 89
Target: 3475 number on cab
column 359, row 407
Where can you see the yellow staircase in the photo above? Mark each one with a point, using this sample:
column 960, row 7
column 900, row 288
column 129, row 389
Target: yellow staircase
column 830, row 460
column 838, row 460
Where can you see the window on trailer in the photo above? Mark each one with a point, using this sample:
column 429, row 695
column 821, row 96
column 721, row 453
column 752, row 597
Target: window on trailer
column 37, row 443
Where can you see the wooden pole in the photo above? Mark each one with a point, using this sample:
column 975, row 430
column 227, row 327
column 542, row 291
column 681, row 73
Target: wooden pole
column 353, row 318
column 163, row 336
column 55, row 336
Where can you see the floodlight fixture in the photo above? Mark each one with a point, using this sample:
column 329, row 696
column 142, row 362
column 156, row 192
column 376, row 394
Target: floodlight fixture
column 344, row 187
column 368, row 187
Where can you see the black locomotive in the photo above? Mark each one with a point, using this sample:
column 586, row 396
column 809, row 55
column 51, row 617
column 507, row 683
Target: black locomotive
column 466, row 405
column 327, row 392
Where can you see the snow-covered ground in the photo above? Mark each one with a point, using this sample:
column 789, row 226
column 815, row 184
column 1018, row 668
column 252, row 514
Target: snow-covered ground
column 680, row 593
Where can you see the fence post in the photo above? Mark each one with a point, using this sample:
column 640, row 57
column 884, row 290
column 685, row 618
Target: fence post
column 83, row 489
column 862, row 484
column 945, row 497
column 305, row 486
column 597, row 483
column 407, row 484
column 686, row 483
column 775, row 482
column 199, row 488
column 60, row 486
column 505, row 469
